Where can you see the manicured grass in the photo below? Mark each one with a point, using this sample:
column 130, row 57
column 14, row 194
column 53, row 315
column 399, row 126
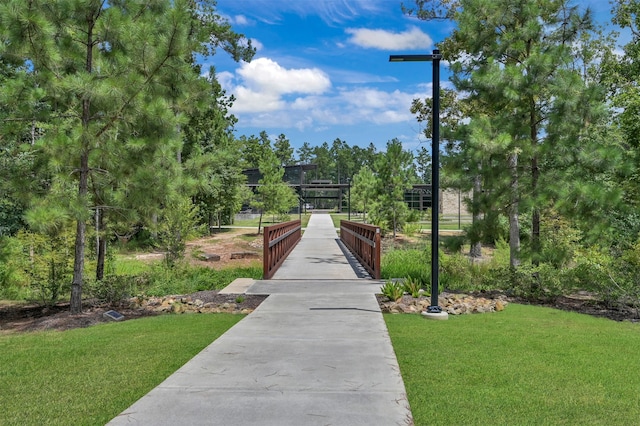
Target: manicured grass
column 525, row 365
column 88, row 376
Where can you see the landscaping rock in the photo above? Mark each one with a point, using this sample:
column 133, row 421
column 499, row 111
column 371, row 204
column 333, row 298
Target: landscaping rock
column 244, row 255
column 453, row 304
column 188, row 304
column 209, row 257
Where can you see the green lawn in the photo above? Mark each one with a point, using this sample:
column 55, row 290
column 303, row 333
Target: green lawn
column 88, row 376
column 524, row 366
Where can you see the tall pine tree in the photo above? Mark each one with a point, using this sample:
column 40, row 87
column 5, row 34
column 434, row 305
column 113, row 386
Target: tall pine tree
column 115, row 74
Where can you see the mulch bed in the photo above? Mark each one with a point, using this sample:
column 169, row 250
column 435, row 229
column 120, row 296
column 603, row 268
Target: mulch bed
column 20, row 318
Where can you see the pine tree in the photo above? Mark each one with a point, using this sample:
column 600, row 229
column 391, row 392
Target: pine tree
column 393, row 169
column 283, row 150
column 363, row 190
column 515, row 60
column 115, row 74
column 273, row 194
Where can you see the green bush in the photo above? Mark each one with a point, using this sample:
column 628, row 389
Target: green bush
column 412, row 286
column 455, row 271
column 453, row 244
column 11, row 280
column 559, row 240
column 613, row 279
column 392, row 290
column 47, row 262
column 179, row 219
column 115, row 288
column 411, row 228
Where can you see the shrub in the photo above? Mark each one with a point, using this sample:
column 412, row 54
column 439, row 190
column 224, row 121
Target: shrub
column 412, row 286
column 392, row 290
column 455, row 271
column 411, row 228
column 559, row 240
column 454, row 244
column 47, row 261
column 11, row 280
column 179, row 218
column 115, row 288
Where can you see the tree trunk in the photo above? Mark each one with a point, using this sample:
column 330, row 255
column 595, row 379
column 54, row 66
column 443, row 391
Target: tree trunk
column 101, row 249
column 514, row 225
column 154, row 228
column 81, row 230
column 260, row 222
column 535, row 215
column 476, row 246
column 535, row 175
column 83, row 184
column 364, row 213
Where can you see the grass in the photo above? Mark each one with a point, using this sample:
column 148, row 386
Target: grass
column 189, row 279
column 88, row 376
column 525, row 365
column 411, row 263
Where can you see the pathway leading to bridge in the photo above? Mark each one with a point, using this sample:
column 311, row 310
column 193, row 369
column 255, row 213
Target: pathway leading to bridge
column 315, row 352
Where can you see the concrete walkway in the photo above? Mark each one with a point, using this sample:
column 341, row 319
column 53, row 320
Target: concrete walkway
column 316, row 352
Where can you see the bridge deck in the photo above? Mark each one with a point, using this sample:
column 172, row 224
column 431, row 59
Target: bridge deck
column 318, row 255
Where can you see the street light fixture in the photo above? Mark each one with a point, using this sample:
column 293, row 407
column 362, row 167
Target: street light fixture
column 433, row 311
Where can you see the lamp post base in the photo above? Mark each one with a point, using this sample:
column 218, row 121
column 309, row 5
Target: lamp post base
column 435, row 313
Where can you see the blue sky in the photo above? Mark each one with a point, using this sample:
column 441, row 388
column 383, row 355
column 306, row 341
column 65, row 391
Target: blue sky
column 321, row 70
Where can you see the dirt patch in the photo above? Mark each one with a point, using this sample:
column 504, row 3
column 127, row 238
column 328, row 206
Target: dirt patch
column 588, row 306
column 224, row 243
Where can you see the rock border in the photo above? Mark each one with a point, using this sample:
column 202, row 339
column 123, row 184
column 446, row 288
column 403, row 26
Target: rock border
column 451, row 303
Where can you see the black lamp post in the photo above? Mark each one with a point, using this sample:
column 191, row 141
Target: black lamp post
column 435, row 169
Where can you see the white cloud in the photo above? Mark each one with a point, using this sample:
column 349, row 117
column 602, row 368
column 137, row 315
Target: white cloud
column 265, row 74
column 263, row 83
column 248, row 100
column 270, row 96
column 240, row 20
column 412, row 38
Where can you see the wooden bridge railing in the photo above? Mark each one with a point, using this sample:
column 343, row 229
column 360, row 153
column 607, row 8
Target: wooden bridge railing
column 279, row 240
column 364, row 242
